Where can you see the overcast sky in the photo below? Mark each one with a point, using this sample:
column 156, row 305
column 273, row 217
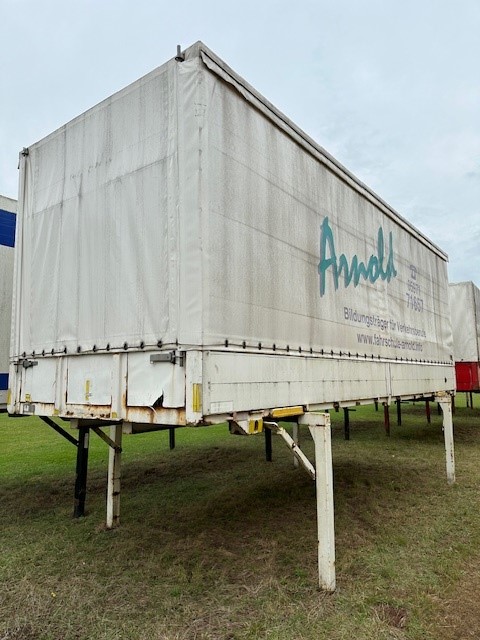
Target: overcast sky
column 390, row 87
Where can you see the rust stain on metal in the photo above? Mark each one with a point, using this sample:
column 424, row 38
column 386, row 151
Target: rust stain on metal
column 161, row 415
column 141, row 414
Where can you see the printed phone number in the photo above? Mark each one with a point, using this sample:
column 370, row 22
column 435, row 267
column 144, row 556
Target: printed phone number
column 413, row 290
column 415, row 303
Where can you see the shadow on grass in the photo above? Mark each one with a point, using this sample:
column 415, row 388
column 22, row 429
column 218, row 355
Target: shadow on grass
column 232, row 487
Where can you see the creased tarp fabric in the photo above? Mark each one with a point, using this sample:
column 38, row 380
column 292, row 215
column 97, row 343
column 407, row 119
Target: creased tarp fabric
column 465, row 313
column 177, row 211
column 100, row 225
column 267, row 201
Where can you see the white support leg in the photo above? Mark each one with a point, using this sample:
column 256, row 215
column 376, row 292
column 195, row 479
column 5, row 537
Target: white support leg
column 445, row 402
column 319, row 425
column 114, row 470
column 296, row 439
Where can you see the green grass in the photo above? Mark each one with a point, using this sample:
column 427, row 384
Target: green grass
column 217, row 543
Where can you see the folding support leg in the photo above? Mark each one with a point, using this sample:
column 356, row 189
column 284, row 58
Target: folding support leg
column 171, row 438
column 471, row 399
column 114, row 475
column 399, row 412
column 428, row 412
column 296, row 439
column 445, row 402
column 81, row 472
column 319, row 425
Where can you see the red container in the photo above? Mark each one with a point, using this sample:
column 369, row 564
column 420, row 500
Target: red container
column 467, row 375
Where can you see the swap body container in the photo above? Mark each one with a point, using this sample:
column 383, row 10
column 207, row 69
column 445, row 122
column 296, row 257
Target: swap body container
column 8, row 208
column 465, row 314
column 187, row 255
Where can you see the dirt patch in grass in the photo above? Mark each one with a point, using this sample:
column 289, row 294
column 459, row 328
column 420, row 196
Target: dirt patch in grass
column 394, row 616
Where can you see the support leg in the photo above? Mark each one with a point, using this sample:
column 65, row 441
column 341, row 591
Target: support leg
column 81, row 472
column 471, row 399
column 386, row 418
column 319, row 425
column 446, row 404
column 171, row 439
column 399, row 412
column 114, row 475
column 296, row 439
column 268, row 444
column 466, row 399
column 346, row 422
column 427, row 411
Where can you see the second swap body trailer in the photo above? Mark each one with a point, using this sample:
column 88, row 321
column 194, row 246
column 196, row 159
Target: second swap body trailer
column 8, row 208
column 465, row 313
column 191, row 257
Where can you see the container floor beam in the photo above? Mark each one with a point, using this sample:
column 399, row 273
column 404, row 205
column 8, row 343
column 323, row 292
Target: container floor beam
column 319, row 425
column 81, row 472
column 446, row 403
column 114, row 476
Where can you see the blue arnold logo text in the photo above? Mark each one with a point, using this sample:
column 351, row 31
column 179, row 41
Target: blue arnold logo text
column 355, row 270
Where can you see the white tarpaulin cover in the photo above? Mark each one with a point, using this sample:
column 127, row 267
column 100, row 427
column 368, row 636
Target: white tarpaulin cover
column 176, row 211
column 186, row 209
column 465, row 313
